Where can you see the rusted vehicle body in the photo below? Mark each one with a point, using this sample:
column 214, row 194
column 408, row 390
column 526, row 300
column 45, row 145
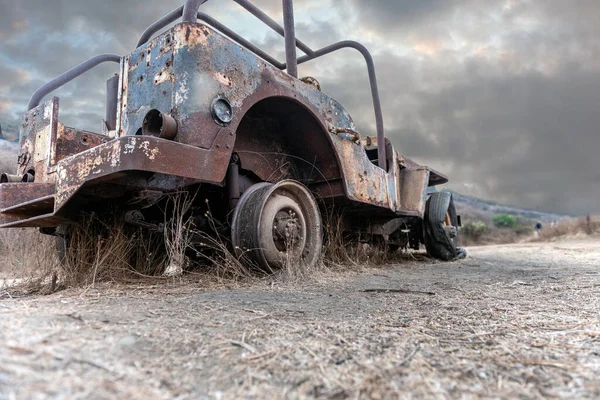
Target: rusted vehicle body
column 199, row 108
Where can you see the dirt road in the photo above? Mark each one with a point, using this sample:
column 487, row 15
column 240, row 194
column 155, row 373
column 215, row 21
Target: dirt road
column 515, row 321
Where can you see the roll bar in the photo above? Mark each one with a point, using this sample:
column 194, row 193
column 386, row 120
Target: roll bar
column 189, row 12
column 68, row 76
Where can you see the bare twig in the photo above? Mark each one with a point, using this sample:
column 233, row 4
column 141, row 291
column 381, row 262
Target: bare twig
column 397, row 291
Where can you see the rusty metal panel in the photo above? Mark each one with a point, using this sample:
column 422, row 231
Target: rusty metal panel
column 22, row 201
column 413, row 190
column 12, row 194
column 71, row 141
column 44, row 141
column 182, row 71
column 36, row 206
column 147, row 82
column 364, row 181
column 142, row 153
column 37, row 135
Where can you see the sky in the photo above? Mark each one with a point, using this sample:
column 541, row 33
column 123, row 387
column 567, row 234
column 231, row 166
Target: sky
column 502, row 96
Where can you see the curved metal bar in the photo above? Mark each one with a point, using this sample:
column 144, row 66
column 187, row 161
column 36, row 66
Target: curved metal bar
column 190, row 10
column 158, row 25
column 381, row 156
column 68, row 76
column 258, row 13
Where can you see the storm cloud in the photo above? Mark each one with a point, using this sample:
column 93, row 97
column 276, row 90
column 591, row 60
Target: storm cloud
column 501, row 96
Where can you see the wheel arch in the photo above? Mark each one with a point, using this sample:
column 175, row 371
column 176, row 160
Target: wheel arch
column 280, row 137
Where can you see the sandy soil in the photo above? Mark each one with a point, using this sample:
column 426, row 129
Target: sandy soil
column 514, row 321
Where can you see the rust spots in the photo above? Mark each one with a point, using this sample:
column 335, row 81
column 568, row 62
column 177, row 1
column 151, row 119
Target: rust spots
column 195, row 35
column 71, row 141
column 223, row 79
column 164, row 75
column 309, row 80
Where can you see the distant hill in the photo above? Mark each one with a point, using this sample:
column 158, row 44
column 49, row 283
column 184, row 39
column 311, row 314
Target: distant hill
column 473, row 208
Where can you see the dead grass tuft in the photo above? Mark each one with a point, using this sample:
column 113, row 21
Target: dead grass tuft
column 343, row 249
column 98, row 250
column 492, row 235
column 28, row 259
column 178, row 231
column 216, row 258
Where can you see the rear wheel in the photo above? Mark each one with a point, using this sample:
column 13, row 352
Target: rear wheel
column 278, row 224
column 441, row 228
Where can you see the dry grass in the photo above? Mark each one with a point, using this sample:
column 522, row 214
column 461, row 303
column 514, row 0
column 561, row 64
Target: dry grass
column 100, row 250
column 108, row 249
column 178, row 231
column 217, row 259
column 492, row 235
column 97, row 251
column 342, row 249
column 28, row 258
column 570, row 227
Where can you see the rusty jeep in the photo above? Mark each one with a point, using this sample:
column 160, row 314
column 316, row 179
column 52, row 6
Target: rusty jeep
column 197, row 107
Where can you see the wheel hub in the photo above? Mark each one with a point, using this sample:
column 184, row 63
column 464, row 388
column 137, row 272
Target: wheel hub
column 287, row 229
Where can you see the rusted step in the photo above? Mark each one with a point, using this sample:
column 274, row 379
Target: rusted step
column 41, row 221
column 26, row 204
column 36, row 198
column 36, row 206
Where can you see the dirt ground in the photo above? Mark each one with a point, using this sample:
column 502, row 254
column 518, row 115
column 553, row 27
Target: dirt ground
column 513, row 321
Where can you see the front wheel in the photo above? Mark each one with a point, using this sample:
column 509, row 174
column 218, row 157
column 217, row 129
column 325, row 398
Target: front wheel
column 441, row 228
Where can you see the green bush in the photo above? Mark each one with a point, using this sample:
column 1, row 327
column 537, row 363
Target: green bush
column 504, row 221
column 474, row 229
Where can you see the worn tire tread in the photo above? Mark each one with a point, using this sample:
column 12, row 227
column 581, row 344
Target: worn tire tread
column 438, row 242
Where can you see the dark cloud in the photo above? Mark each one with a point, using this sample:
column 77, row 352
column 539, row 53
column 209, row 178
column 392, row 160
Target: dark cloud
column 388, row 16
column 519, row 126
column 501, row 96
column 521, row 137
column 48, row 38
